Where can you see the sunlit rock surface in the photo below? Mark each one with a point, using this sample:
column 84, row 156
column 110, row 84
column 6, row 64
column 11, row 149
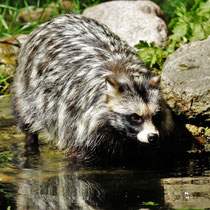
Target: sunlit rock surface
column 132, row 20
column 186, row 81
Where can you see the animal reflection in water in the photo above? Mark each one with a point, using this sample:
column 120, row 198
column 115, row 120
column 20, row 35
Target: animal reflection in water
column 119, row 189
column 84, row 191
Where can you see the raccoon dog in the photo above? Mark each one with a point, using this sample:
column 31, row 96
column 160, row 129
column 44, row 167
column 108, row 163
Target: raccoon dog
column 86, row 89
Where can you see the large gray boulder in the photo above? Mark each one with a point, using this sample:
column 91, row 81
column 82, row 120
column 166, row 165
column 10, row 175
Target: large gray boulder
column 186, row 81
column 132, row 20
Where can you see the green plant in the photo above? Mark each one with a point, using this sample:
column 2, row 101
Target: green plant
column 9, row 11
column 168, row 6
column 79, row 6
column 4, row 84
column 5, row 157
column 8, row 17
column 7, row 195
column 153, row 56
column 186, row 27
column 89, row 3
column 150, row 203
column 190, row 25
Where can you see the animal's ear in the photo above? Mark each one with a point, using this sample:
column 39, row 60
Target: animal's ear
column 155, row 81
column 113, row 84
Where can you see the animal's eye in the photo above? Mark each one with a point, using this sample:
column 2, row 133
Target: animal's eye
column 136, row 118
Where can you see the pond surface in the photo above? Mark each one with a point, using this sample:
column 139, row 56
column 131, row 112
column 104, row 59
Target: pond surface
column 48, row 181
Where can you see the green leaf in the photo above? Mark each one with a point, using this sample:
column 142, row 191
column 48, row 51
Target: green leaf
column 180, row 30
column 197, row 32
column 181, row 10
column 150, row 203
column 142, row 44
column 206, row 28
column 204, row 9
column 4, row 23
column 173, row 22
column 150, row 54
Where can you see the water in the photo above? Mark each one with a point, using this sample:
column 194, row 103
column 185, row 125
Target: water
column 48, row 181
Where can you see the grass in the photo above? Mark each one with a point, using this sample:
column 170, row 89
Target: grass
column 9, row 10
column 8, row 18
column 5, row 158
column 5, row 84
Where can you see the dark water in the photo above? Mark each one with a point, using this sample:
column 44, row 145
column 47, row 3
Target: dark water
column 48, row 181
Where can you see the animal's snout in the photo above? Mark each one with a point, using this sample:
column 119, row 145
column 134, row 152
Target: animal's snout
column 153, row 138
column 149, row 134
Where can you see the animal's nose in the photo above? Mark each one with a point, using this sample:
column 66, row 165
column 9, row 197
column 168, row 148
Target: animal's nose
column 153, row 138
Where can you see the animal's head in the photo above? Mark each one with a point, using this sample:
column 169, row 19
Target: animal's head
column 137, row 109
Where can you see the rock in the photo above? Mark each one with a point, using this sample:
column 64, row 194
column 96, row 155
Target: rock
column 132, row 20
column 45, row 14
column 187, row 192
column 9, row 49
column 6, row 116
column 186, row 81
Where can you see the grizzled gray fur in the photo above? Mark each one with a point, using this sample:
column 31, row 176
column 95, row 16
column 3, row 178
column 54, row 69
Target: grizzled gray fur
column 86, row 89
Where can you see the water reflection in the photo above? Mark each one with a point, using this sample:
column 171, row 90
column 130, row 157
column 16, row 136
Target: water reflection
column 65, row 188
column 84, row 190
